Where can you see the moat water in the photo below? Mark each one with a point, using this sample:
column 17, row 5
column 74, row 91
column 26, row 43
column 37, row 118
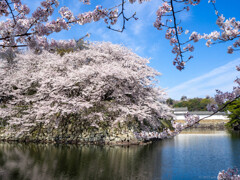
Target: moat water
column 194, row 155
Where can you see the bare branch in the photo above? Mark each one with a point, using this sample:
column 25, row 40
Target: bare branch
column 13, row 46
column 124, row 18
column 11, row 11
column 18, row 35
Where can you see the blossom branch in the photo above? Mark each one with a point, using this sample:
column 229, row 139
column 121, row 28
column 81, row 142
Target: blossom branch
column 176, row 31
column 222, row 108
column 13, row 46
column 215, row 112
column 18, row 35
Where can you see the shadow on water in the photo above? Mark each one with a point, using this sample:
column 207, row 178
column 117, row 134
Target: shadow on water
column 31, row 161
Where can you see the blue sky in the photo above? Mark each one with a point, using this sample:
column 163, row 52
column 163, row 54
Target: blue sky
column 212, row 68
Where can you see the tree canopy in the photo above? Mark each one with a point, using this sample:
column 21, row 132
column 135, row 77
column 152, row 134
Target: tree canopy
column 105, row 82
column 233, row 111
column 195, row 104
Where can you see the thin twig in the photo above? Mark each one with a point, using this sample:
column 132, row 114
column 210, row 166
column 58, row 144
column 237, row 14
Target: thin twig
column 223, row 40
column 124, row 18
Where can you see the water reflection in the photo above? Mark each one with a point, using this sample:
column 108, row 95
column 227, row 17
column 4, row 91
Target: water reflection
column 235, row 147
column 187, row 156
column 19, row 161
column 200, row 156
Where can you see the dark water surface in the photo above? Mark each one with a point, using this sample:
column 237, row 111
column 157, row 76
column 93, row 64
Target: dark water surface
column 188, row 156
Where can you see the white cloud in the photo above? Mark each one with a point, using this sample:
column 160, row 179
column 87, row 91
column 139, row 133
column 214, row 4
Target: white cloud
column 137, row 27
column 220, row 78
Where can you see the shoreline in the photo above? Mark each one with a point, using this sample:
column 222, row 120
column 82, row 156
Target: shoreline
column 123, row 136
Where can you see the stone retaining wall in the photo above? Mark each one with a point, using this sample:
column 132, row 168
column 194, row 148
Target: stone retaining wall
column 71, row 132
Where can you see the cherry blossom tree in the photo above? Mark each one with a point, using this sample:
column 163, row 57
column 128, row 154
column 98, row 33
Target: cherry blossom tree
column 35, row 91
column 102, row 76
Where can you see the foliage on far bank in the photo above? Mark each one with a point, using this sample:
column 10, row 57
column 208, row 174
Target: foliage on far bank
column 194, row 104
column 233, row 112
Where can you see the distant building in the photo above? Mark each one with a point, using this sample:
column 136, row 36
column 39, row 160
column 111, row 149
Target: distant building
column 180, row 112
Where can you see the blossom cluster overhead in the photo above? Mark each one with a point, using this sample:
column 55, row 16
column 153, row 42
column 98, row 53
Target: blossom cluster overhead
column 229, row 30
column 24, row 29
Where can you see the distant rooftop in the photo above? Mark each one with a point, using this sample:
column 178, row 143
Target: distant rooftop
column 180, row 109
column 205, row 113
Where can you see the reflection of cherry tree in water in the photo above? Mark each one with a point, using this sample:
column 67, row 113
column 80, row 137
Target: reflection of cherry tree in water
column 16, row 163
column 79, row 162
